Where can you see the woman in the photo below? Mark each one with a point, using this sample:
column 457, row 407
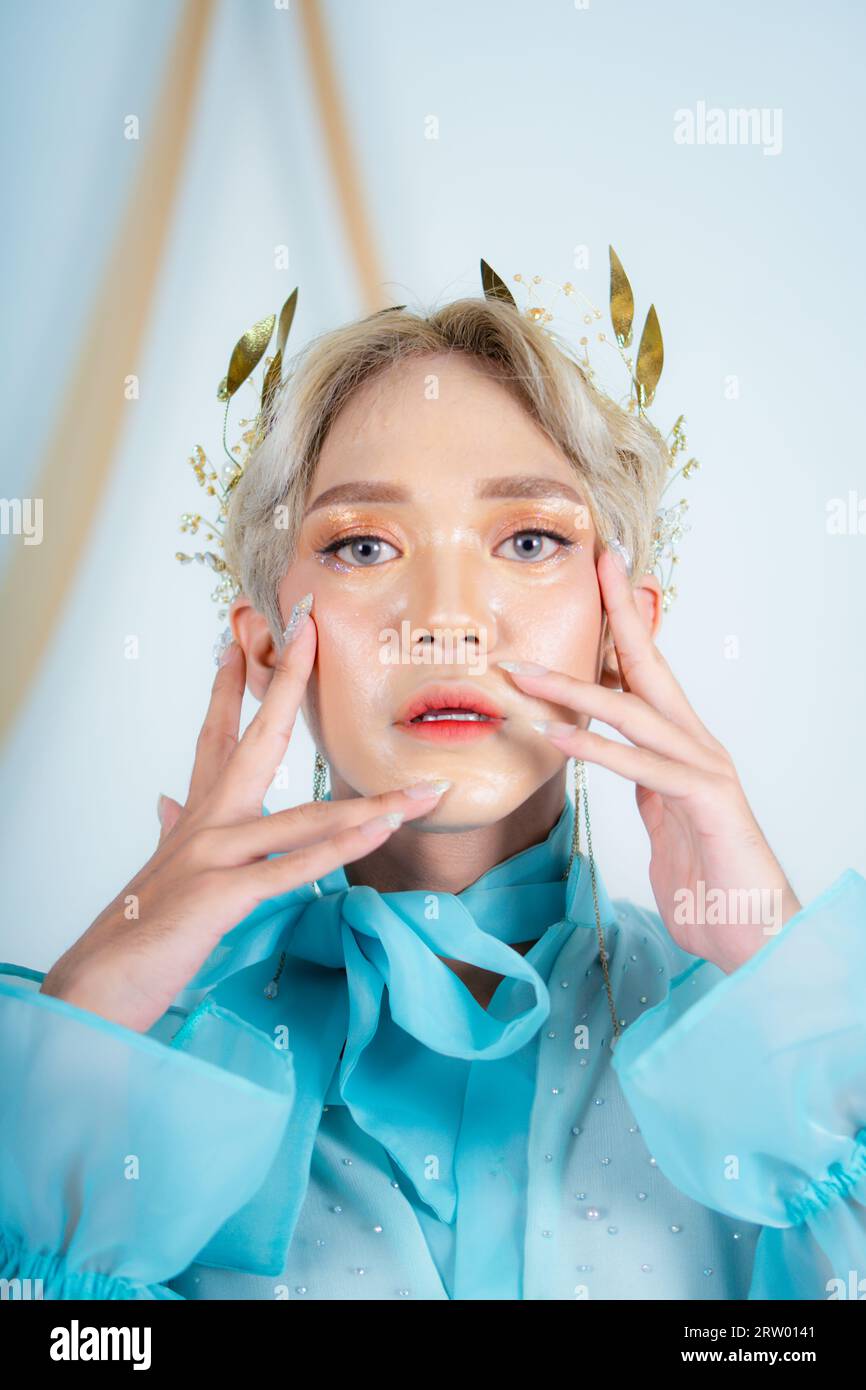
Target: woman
column 394, row 1072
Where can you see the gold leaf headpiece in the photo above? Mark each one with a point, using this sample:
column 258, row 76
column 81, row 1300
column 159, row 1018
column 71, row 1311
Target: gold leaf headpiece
column 644, row 375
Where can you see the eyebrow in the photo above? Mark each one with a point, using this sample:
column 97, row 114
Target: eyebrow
column 509, row 486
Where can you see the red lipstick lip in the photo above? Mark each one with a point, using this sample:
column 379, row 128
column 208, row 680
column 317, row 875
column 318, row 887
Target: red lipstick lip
column 451, row 731
column 446, row 696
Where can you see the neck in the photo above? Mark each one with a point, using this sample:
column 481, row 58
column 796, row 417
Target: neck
column 447, row 861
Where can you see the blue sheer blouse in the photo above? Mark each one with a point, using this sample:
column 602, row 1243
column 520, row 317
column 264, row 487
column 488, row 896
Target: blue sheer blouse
column 328, row 1113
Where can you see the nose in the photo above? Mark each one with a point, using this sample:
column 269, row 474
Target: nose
column 450, row 602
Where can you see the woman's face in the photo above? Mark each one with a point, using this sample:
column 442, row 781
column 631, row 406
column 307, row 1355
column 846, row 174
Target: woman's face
column 443, row 533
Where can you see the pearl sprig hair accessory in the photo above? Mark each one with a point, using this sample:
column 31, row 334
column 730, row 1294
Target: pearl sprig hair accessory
column 643, row 372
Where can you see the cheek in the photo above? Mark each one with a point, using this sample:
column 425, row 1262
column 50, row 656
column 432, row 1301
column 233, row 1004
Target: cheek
column 352, row 681
column 560, row 628
column 347, row 675
column 352, row 695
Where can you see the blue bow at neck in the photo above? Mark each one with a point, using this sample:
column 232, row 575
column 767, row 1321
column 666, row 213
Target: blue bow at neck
column 378, row 1022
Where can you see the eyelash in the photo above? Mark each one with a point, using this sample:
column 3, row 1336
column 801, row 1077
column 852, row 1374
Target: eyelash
column 336, row 545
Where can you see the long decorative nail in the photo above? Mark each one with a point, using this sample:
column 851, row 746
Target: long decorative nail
column 298, row 616
column 524, row 668
column 374, row 827
column 222, row 645
column 160, row 803
column 421, row 790
column 553, row 728
column 621, row 555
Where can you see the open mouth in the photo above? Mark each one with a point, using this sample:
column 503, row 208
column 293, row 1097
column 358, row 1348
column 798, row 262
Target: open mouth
column 450, row 714
column 438, row 715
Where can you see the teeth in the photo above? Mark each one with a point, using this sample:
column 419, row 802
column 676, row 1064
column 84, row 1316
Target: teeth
column 435, row 716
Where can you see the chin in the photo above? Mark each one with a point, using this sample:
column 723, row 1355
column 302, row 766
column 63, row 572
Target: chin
column 477, row 800
column 490, row 779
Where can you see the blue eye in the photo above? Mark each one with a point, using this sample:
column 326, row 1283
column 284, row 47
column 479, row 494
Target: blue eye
column 535, row 549
column 363, row 551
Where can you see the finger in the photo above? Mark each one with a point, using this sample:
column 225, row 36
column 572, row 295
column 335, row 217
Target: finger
column 652, row 771
column 219, row 732
column 651, row 808
column 605, row 632
column 168, row 811
column 642, row 666
column 300, row 826
column 631, row 637
column 253, row 764
column 627, row 713
column 270, row 877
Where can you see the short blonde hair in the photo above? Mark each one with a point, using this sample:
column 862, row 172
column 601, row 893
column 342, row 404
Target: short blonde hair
column 620, row 458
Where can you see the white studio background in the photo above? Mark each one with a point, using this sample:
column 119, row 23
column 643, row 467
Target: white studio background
column 552, row 129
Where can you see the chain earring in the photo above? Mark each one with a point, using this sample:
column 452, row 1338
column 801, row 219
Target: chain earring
column 575, row 837
column 580, row 795
column 320, row 776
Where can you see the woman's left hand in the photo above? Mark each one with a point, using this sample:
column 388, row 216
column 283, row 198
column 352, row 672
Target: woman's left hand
column 709, row 856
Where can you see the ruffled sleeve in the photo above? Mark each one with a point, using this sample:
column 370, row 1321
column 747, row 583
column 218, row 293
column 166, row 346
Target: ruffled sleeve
column 123, row 1153
column 750, row 1091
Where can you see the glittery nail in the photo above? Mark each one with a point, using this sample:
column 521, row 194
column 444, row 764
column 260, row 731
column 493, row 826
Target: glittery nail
column 222, row 645
column 422, row 790
column 621, row 555
column 374, row 827
column 298, row 616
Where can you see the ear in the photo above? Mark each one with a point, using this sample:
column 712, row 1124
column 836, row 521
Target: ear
column 251, row 632
column 648, row 596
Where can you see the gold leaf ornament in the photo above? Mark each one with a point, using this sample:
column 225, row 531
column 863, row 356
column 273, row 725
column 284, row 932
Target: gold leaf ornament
column 650, row 358
column 494, row 286
column 246, row 355
column 392, row 309
column 273, row 377
column 287, row 315
column 621, row 301
column 274, row 374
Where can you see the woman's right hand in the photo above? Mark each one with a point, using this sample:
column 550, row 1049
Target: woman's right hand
column 210, row 868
